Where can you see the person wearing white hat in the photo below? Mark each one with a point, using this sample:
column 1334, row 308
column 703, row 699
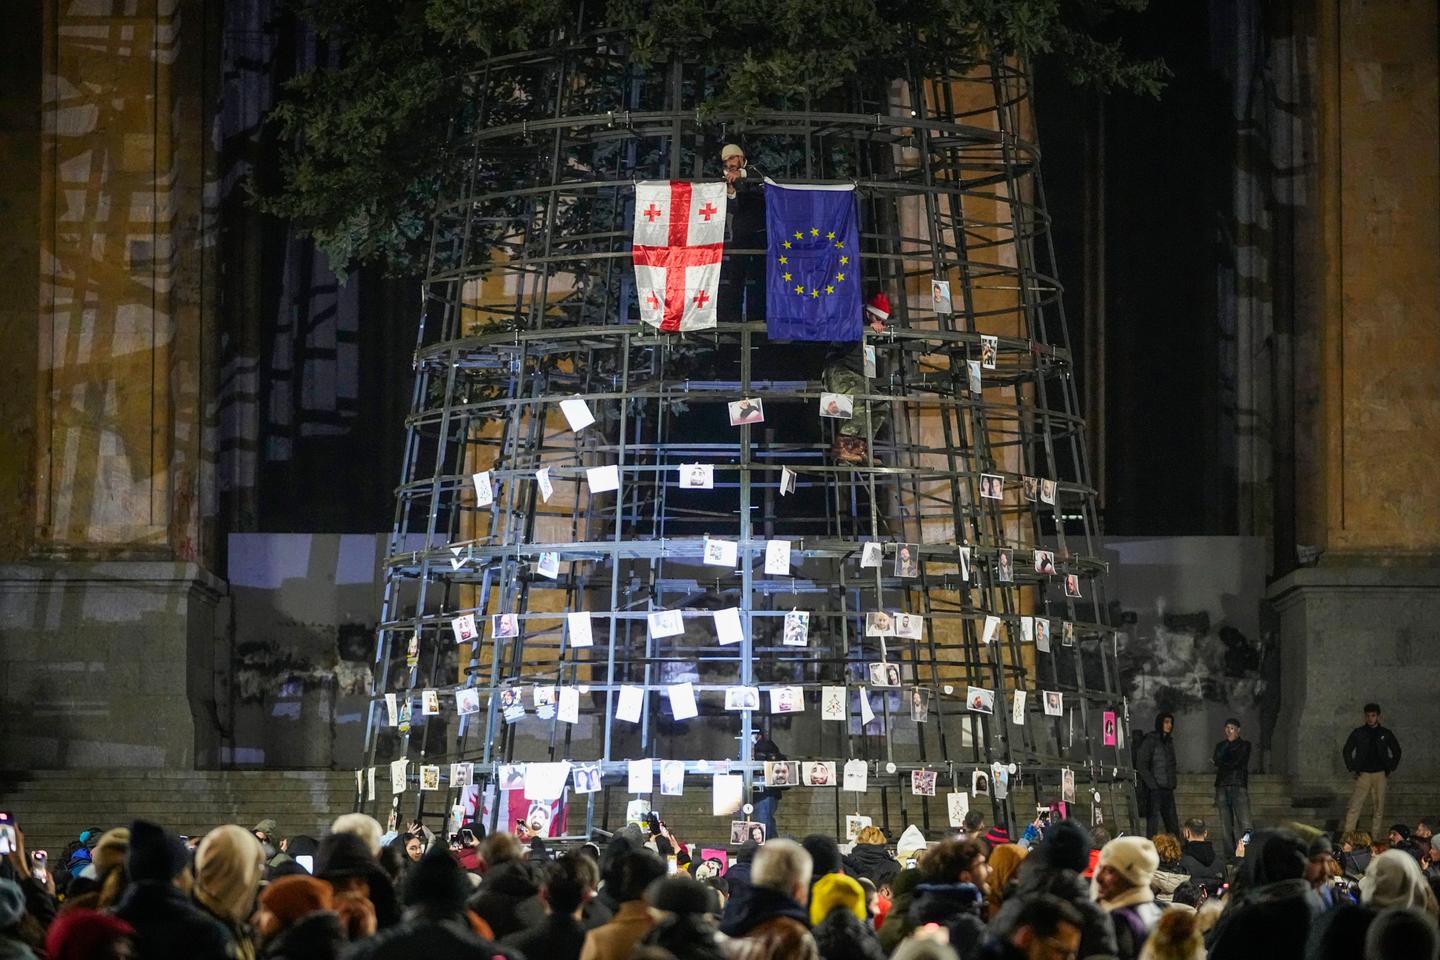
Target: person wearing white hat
column 846, row 372
column 1122, row 888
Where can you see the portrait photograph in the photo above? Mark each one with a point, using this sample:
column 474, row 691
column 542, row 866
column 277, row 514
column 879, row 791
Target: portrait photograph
column 992, row 486
column 751, row 410
column 1045, row 562
column 980, row 700
column 907, row 560
column 1004, row 566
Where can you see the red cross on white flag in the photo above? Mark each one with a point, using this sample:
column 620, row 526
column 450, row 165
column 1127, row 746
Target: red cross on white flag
column 679, row 239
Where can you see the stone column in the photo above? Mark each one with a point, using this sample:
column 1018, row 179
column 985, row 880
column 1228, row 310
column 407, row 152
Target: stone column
column 110, row 597
column 1360, row 623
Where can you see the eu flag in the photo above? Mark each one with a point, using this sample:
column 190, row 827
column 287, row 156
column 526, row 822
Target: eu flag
column 812, row 270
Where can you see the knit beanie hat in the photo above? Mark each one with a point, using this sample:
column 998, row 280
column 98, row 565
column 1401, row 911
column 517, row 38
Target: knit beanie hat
column 294, row 898
column 436, row 881
column 78, row 934
column 1066, row 847
column 824, row 853
column 1134, row 857
column 343, row 855
column 680, row 894
column 832, row 892
column 110, row 852
column 731, row 150
column 12, row 903
column 154, row 855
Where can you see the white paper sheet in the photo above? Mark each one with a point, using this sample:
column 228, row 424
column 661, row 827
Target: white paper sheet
column 665, row 623
column 577, row 413
column 579, row 624
column 484, row 489
column 640, row 776
column 682, row 701
column 568, row 709
column 629, row 703
column 727, row 626
column 546, row 781
column 777, row 556
column 603, row 479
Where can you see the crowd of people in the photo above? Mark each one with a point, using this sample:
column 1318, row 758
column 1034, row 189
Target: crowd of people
column 1058, row 891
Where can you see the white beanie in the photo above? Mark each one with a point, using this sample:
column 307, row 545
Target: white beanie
column 731, row 150
column 1134, row 857
column 911, row 843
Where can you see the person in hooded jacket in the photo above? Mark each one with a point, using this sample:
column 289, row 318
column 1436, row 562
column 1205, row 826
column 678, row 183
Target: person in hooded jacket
column 686, row 929
column 297, row 921
column 1155, row 763
column 509, row 881
column 346, row 862
column 1123, row 875
column 837, row 917
column 774, row 925
column 952, row 893
column 168, row 926
column 1055, row 866
column 569, row 883
column 1339, row 934
column 435, row 925
column 19, row 933
column 869, row 858
column 228, row 866
column 1271, row 905
column 737, row 876
column 1394, row 879
column 1198, row 858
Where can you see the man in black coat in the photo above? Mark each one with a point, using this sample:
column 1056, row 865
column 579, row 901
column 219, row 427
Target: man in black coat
column 1054, row 867
column 1371, row 754
column 167, row 925
column 568, row 884
column 1232, row 785
column 434, row 925
column 1198, row 859
column 1155, row 762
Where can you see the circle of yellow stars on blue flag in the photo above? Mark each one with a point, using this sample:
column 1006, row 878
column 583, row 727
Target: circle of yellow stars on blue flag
column 829, row 286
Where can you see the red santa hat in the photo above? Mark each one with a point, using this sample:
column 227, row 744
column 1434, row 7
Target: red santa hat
column 879, row 306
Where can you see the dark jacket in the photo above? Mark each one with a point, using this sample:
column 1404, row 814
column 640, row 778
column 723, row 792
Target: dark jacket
column 771, row 926
column 1097, row 933
column 841, row 936
column 316, row 937
column 1372, row 750
column 1156, row 760
column 532, row 913
column 684, row 937
column 169, row 927
column 1232, row 763
column 1273, row 906
column 765, row 749
column 501, row 893
column 432, row 938
column 738, row 876
column 554, row 938
column 873, row 862
column 955, row 906
column 342, row 855
column 1198, row 859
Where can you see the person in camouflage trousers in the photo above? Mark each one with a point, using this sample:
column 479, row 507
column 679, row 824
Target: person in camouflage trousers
column 845, row 373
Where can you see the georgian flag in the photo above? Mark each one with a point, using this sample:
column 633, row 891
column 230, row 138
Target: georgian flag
column 679, row 239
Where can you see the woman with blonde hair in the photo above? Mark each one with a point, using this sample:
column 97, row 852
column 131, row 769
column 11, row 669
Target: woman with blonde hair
column 870, row 858
column 228, row 865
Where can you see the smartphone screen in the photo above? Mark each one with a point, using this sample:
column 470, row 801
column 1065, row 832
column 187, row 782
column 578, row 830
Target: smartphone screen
column 307, row 862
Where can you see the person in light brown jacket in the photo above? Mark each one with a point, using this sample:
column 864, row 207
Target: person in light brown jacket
column 772, row 924
column 616, row 939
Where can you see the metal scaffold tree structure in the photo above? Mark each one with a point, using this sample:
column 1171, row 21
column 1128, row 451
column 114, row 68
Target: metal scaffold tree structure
column 524, row 579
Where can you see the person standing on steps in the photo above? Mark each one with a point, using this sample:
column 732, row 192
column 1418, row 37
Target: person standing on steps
column 1371, row 754
column 1155, row 762
column 1232, row 785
